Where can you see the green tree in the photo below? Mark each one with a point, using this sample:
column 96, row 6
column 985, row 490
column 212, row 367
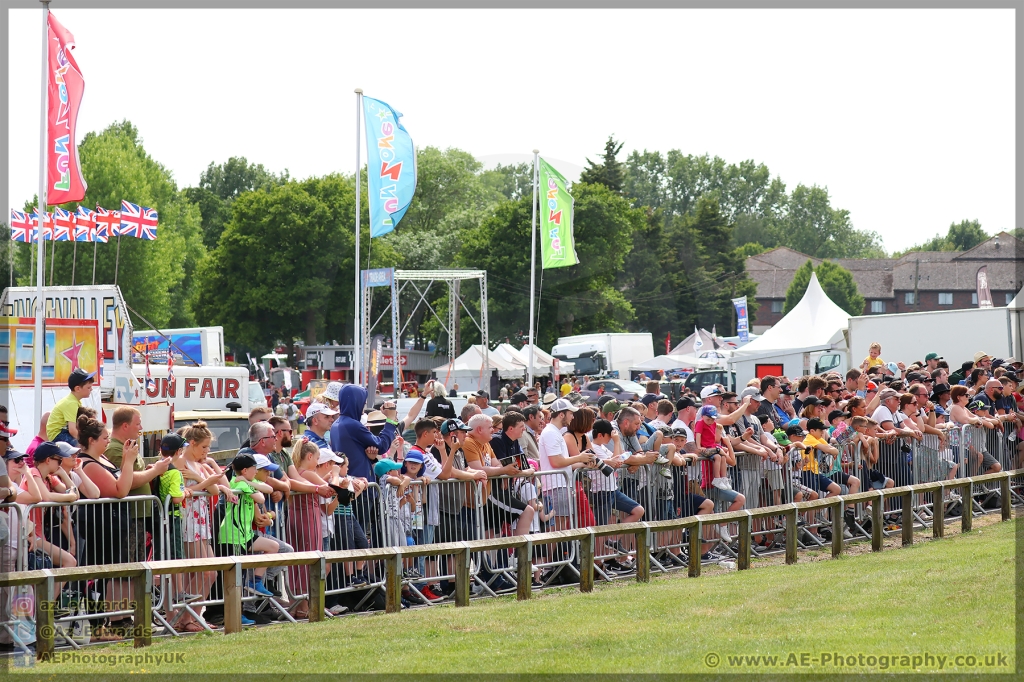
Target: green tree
column 610, row 172
column 646, row 278
column 513, row 181
column 813, row 227
column 959, row 237
column 220, row 185
column 156, row 277
column 835, row 280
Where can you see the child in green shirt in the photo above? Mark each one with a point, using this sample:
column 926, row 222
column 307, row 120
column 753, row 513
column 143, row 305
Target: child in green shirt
column 237, row 527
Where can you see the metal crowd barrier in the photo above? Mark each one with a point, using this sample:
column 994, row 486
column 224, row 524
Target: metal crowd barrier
column 17, row 603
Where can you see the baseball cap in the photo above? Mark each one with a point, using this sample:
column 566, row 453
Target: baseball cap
column 932, row 356
column 243, row 461
column 980, row 355
column 482, row 394
column 68, row 449
column 328, row 456
column 603, row 399
column 1012, row 376
column 171, row 442
column 977, row 405
column 887, row 393
column 649, row 398
column 46, row 450
column 263, row 462
column 998, row 362
column 549, row 398
column 453, row 425
column 332, row 391
column 610, row 407
column 917, row 376
column 384, row 466
column 780, row 437
column 834, row 414
column 319, row 408
column 709, row 391
column 816, row 425
column 414, row 456
column 788, row 390
column 708, row 411
column 576, row 398
column 14, row 454
column 79, row 376
column 6, row 431
column 561, row 405
column 795, row 430
column 684, row 403
column 893, row 367
column 754, row 393
column 811, row 400
column 680, row 431
column 518, row 398
column 871, row 386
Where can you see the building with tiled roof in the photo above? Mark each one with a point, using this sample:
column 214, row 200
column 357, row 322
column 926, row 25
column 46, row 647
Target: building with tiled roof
column 917, row 281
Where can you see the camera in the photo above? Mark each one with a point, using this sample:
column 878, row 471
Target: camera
column 603, row 467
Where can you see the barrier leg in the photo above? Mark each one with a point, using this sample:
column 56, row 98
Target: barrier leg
column 967, row 507
column 524, row 571
column 233, row 599
column 587, row 562
column 393, row 584
column 877, row 519
column 695, row 543
column 939, row 513
column 837, row 527
column 743, row 560
column 643, row 555
column 143, row 609
column 317, row 578
column 462, row 577
column 1004, row 497
column 44, row 618
column 791, row 531
column 908, row 519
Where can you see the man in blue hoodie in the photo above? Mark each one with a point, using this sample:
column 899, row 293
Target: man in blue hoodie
column 350, row 436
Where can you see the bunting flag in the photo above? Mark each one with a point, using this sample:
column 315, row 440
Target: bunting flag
column 150, row 383
column 137, row 221
column 65, row 86
column 21, row 227
column 47, row 226
column 108, row 223
column 170, row 371
column 63, row 225
column 557, row 244
column 85, row 224
column 391, row 166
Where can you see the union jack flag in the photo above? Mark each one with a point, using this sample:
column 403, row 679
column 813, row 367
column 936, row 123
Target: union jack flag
column 150, row 382
column 170, row 368
column 85, row 224
column 63, row 225
column 108, row 223
column 21, row 227
column 47, row 226
column 138, row 221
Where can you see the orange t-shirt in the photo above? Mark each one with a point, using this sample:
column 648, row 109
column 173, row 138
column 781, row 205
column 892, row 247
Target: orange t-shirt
column 475, row 451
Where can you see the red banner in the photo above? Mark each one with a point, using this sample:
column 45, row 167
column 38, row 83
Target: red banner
column 64, row 95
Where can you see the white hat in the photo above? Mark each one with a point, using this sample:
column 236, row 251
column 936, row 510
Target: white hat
column 319, row 408
column 263, row 462
column 332, row 391
column 709, row 391
column 328, row 456
column 561, row 405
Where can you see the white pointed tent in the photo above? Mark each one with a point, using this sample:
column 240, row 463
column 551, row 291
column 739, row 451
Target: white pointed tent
column 687, row 347
column 469, row 373
column 514, row 356
column 816, row 323
column 546, row 360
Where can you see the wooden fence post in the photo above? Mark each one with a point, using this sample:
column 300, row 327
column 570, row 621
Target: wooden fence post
column 643, row 554
column 233, row 599
column 877, row 521
column 967, row 506
column 143, row 585
column 939, row 512
column 462, row 577
column 587, row 561
column 524, row 570
column 317, row 578
column 393, row 583
column 791, row 530
column 743, row 560
column 696, row 535
column 908, row 518
column 44, row 617
column 838, row 509
column 1004, row 498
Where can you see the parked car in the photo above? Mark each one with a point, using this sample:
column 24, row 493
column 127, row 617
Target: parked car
column 620, row 389
column 698, row 380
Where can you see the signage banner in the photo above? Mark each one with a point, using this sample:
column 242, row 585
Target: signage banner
column 185, row 346
column 70, row 345
column 984, row 293
column 373, row 368
column 741, row 318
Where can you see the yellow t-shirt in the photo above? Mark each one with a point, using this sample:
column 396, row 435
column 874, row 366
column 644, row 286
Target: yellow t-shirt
column 566, row 389
column 874, row 362
column 66, row 410
column 811, row 459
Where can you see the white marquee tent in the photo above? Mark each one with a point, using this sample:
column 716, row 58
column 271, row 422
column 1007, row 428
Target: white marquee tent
column 469, row 373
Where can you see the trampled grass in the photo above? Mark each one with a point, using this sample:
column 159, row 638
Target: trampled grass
column 939, row 598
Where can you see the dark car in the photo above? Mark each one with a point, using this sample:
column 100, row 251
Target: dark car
column 620, row 389
column 699, row 380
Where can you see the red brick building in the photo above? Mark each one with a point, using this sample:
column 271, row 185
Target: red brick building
column 918, row 281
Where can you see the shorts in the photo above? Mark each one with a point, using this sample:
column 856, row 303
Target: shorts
column 557, row 499
column 774, row 477
column 175, row 548
column 799, row 487
column 725, row 496
column 229, row 549
column 65, row 437
column 876, row 480
column 603, row 502
column 987, row 461
column 502, row 507
column 695, row 502
column 816, row 482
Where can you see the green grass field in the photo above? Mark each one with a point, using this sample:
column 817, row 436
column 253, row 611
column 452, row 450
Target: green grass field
column 944, row 598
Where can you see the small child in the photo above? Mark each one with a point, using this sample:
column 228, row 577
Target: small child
column 795, row 434
column 393, row 487
column 708, row 435
column 236, row 530
column 410, row 509
column 531, row 495
column 172, row 484
column 265, row 520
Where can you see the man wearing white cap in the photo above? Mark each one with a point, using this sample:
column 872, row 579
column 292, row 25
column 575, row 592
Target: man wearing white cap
column 319, row 418
column 554, row 455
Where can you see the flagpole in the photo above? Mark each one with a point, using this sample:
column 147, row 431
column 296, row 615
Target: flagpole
column 356, row 334
column 74, row 262
column 94, row 261
column 117, row 259
column 533, row 267
column 38, row 345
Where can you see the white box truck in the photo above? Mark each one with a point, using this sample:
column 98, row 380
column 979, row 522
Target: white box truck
column 605, row 354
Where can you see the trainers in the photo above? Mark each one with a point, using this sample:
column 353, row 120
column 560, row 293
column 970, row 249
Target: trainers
column 724, row 534
column 722, row 483
column 337, row 610
column 665, row 472
column 359, row 579
column 257, row 587
column 847, row 535
column 247, row 621
column 710, row 557
column 615, row 546
column 430, row 594
column 412, row 574
column 662, row 460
